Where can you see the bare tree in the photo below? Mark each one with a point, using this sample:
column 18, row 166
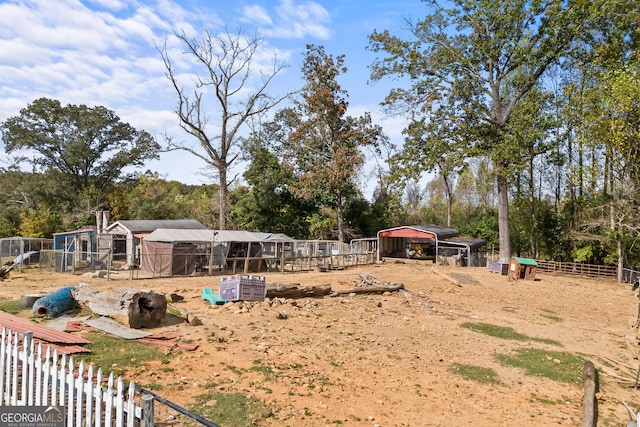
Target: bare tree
column 228, row 79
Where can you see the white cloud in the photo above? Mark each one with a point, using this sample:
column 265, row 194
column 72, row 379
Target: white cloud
column 292, row 20
column 257, row 15
column 103, row 52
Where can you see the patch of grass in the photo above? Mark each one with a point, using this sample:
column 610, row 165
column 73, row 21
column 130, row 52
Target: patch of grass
column 230, row 409
column 550, row 314
column 174, row 312
column 234, row 369
column 154, row 387
column 545, row 401
column 258, row 367
column 10, row 306
column 554, row 365
column 505, row 332
column 118, row 354
column 475, row 373
column 547, row 341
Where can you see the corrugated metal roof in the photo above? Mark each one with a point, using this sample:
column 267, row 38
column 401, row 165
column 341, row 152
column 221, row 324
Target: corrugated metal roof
column 440, row 232
column 472, row 242
column 46, row 335
column 273, row 237
column 142, row 226
column 201, row 236
column 20, row 325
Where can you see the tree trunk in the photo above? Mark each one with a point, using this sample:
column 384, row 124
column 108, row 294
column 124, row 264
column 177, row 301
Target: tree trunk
column 449, row 191
column 147, row 309
column 620, row 260
column 503, row 213
column 340, row 217
column 533, row 246
column 141, row 308
column 5, row 269
column 222, row 170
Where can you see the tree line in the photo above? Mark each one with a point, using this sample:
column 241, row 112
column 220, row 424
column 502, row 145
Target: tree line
column 522, row 119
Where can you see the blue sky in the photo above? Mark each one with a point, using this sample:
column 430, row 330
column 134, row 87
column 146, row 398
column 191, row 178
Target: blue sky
column 103, row 52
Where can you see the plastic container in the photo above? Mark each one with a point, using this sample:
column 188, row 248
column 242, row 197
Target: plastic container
column 243, row 288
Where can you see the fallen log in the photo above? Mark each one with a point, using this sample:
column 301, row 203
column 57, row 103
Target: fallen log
column 281, row 290
column 140, row 308
column 374, row 289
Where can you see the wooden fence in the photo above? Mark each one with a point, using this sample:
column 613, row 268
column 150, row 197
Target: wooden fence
column 577, row 269
column 28, row 377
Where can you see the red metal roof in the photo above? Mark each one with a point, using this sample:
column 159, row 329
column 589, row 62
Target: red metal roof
column 63, row 342
column 419, row 231
column 44, row 333
column 407, row 232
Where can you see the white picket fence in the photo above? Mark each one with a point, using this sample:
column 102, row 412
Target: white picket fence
column 28, row 377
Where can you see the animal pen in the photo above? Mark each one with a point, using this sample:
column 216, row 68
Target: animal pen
column 168, row 252
column 23, row 250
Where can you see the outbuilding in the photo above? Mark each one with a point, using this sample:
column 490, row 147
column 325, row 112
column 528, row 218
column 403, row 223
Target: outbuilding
column 122, row 238
column 522, row 268
column 75, row 249
column 168, row 252
column 428, row 242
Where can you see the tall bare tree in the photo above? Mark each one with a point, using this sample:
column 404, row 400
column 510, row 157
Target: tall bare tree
column 229, row 79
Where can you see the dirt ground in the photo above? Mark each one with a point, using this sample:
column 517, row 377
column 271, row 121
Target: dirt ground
column 385, row 360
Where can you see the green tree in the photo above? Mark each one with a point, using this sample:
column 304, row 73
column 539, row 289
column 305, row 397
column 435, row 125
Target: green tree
column 323, row 144
column 432, row 145
column 154, row 198
column 268, row 205
column 479, row 58
column 228, row 83
column 616, row 124
column 38, row 223
column 151, row 197
column 529, row 130
column 84, row 149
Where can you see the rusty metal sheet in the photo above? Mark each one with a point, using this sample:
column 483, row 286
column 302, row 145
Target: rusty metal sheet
column 44, row 333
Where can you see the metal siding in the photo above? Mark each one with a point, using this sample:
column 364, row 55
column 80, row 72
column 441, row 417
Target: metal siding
column 17, row 324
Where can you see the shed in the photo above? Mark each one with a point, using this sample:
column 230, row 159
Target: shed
column 428, row 242
column 522, row 268
column 163, row 251
column 74, row 249
column 123, row 237
column 412, row 241
column 471, row 249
